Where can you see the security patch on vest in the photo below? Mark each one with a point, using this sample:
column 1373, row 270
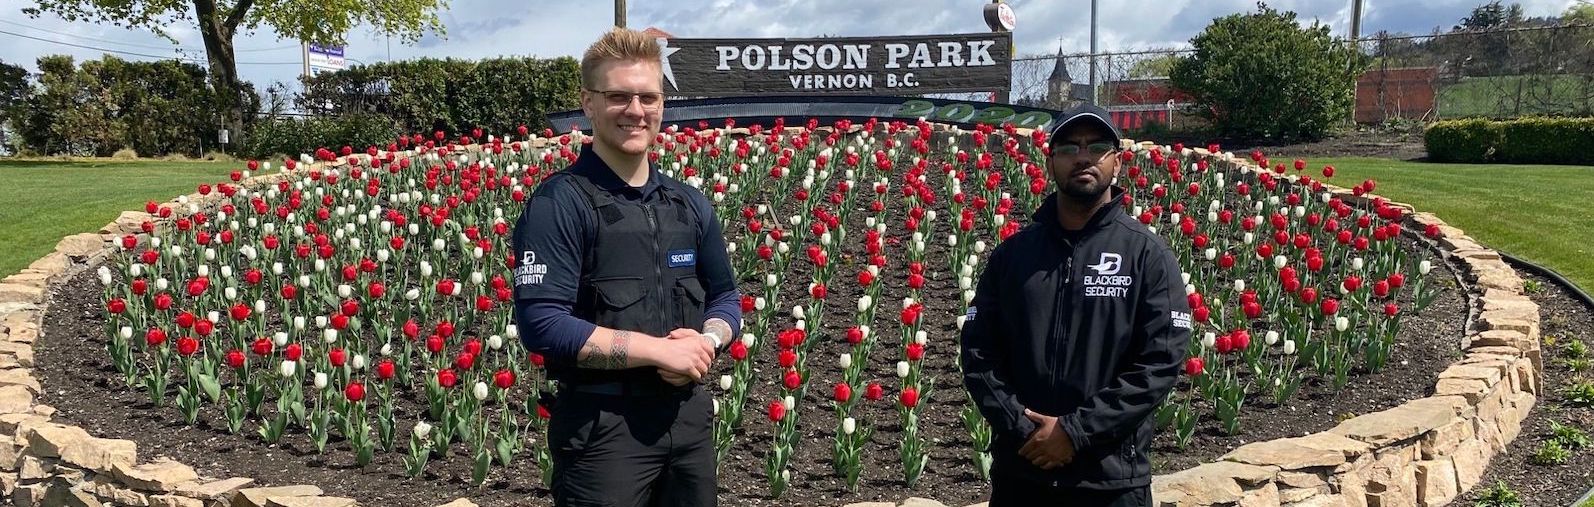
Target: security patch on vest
column 969, row 316
column 1107, row 282
column 1180, row 319
column 682, row 258
column 529, row 272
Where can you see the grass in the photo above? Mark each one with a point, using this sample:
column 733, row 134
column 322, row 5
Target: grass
column 1538, row 213
column 46, row 200
column 1496, row 96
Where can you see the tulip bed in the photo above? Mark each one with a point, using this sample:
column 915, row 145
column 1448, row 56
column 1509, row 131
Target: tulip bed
column 361, row 311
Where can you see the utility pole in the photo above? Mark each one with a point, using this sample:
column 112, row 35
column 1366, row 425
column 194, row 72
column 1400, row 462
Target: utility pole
column 1356, row 48
column 1093, row 52
column 1355, row 20
column 619, row 13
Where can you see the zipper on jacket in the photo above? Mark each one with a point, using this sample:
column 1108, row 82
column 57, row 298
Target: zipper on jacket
column 1060, row 313
column 658, row 273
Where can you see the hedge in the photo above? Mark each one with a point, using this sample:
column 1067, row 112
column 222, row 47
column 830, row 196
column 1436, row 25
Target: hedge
column 106, row 105
column 425, row 95
column 283, row 136
column 1520, row 141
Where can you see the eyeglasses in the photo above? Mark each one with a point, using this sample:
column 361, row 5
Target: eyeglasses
column 1098, row 149
column 619, row 99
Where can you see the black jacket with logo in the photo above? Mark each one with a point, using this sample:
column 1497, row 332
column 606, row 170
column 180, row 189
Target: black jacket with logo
column 1090, row 326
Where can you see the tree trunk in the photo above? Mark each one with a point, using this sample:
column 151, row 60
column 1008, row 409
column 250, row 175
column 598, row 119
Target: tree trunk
column 217, row 33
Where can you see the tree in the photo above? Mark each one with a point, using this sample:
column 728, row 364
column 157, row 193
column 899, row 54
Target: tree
column 14, row 90
column 1263, row 75
column 1492, row 16
column 220, row 20
column 1156, row 66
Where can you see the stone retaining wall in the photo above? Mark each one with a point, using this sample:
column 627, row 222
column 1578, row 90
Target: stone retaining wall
column 1424, row 452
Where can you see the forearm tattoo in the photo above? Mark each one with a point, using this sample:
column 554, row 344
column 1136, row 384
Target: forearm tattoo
column 718, row 327
column 616, row 358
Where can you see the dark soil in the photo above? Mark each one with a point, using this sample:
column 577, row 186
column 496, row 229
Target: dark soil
column 1566, row 319
column 1428, row 344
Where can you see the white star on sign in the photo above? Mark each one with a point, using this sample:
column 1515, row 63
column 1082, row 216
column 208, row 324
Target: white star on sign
column 664, row 60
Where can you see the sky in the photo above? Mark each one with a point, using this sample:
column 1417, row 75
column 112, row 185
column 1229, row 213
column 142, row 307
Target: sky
column 493, row 28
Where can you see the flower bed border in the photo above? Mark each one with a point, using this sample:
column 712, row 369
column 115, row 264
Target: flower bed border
column 1424, row 452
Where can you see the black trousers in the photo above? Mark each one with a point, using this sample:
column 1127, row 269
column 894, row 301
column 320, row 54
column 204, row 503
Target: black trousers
column 633, row 450
column 1011, row 490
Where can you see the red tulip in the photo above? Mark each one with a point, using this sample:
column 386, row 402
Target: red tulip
column 909, row 397
column 154, row 337
column 1201, row 314
column 385, row 369
column 792, row 380
column 749, row 303
column 445, row 328
column 1397, row 280
column 819, row 291
column 1381, row 288
column 1241, row 339
column 447, row 378
column 504, row 379
column 187, row 345
column 1309, row 295
column 293, row 352
column 1194, row 366
column 1224, row 344
column 140, row 286
column 915, row 281
column 1391, row 309
column 915, row 351
column 350, row 307
column 235, row 359
column 1352, row 283
column 340, row 321
column 1253, row 310
column 290, row 291
column 464, row 361
column 738, row 350
column 788, row 358
column 445, row 287
column 337, row 356
column 874, row 392
column 777, row 411
column 261, row 346
column 355, row 392
column 116, row 306
column 865, row 278
column 204, row 327
column 1330, row 306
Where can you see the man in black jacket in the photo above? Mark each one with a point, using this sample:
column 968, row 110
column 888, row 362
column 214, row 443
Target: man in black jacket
column 1075, row 334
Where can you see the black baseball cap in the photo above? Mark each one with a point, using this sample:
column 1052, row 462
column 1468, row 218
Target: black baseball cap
column 1087, row 114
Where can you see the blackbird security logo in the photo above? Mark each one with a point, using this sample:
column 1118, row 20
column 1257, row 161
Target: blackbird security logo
column 529, row 272
column 664, row 60
column 1107, row 282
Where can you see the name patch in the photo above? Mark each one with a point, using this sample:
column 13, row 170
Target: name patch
column 682, row 258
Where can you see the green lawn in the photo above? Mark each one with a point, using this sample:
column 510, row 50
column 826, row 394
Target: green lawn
column 1497, row 96
column 1539, row 213
column 45, row 200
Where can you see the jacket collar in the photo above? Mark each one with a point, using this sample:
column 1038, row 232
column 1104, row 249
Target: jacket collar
column 1047, row 213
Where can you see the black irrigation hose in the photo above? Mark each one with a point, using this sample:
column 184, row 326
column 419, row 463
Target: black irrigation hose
column 1576, row 291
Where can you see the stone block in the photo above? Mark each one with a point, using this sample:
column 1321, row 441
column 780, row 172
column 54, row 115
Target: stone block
column 1212, row 483
column 1471, row 458
column 80, row 246
column 1286, row 454
column 1436, row 482
column 311, row 501
column 162, row 475
column 15, row 399
column 1403, row 422
column 75, row 446
column 211, row 490
column 19, row 293
column 1444, row 439
column 1265, row 496
column 257, row 497
column 174, row 501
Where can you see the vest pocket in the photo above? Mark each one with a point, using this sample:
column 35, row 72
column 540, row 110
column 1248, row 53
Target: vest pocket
column 689, row 300
column 615, row 296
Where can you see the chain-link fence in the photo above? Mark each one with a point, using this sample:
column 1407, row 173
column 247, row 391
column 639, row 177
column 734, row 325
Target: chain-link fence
column 1499, row 73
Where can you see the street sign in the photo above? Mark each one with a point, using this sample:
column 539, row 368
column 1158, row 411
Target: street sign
column 891, row 65
column 324, row 58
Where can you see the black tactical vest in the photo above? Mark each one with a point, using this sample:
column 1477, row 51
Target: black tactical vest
column 640, row 271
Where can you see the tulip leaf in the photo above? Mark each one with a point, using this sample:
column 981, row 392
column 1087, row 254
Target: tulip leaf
column 506, row 450
column 211, row 386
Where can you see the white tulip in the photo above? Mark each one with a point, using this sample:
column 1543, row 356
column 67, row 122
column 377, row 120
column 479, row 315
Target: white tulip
column 138, row 269
column 230, row 293
column 968, row 296
column 298, row 323
column 759, row 304
column 287, row 368
column 1249, row 238
column 1239, row 285
column 802, row 325
column 846, row 361
column 412, row 294
column 1209, row 339
column 426, row 269
column 783, row 247
column 1000, row 220
column 902, row 369
column 979, row 246
column 387, row 349
column 162, row 284
column 320, row 381
column 725, row 382
column 789, row 402
column 383, row 255
column 214, row 316
column 921, row 337
column 1189, row 289
column 438, row 245
column 1280, row 261
column 176, row 250
column 1289, row 347
column 155, row 242
column 1272, row 337
column 1210, row 253
column 276, row 268
column 771, row 280
column 359, row 361
column 961, row 319
column 479, row 390
column 320, row 265
column 864, row 302
column 964, row 282
column 849, row 425
column 749, row 339
column 495, row 342
column 1341, row 324
column 951, row 240
column 1185, row 277
column 344, row 290
column 104, row 274
column 204, row 270
column 422, row 429
column 125, row 332
column 1356, row 263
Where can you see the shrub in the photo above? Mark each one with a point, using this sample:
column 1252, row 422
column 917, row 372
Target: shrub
column 1264, row 75
column 1519, row 141
column 1570, row 437
column 427, row 94
column 1551, row 453
column 293, row 136
column 125, row 154
column 1579, row 394
column 1499, row 495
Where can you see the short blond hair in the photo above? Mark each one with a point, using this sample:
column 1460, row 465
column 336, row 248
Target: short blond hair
column 619, row 45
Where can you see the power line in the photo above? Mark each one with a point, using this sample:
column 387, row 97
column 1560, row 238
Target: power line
column 133, row 53
column 145, row 46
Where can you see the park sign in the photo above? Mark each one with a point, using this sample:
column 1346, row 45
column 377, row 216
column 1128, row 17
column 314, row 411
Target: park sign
column 320, row 59
column 895, row 65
